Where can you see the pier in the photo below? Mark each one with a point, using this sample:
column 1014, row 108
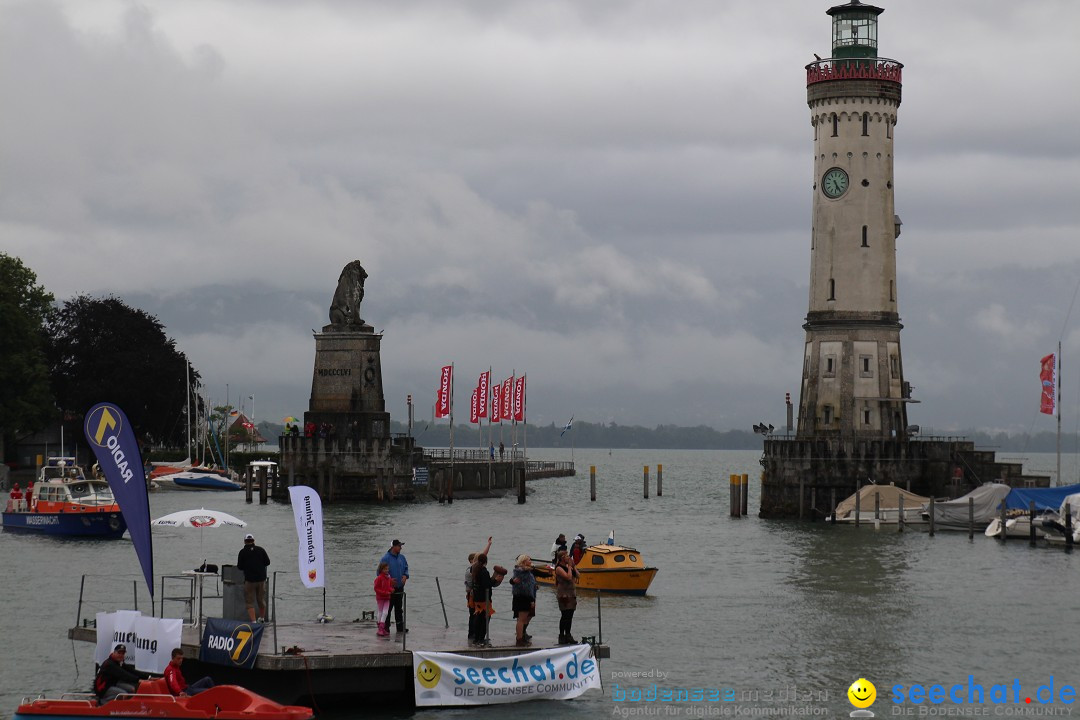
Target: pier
column 334, row 663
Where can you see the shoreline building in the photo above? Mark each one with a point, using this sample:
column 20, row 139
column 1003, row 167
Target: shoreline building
column 853, row 408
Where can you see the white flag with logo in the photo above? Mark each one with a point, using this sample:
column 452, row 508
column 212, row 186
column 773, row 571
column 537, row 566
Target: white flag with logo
column 307, row 510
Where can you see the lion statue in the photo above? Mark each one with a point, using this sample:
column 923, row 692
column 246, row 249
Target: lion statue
column 345, row 309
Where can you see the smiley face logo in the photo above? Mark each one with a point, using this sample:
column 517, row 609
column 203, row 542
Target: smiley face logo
column 428, row 673
column 862, row 693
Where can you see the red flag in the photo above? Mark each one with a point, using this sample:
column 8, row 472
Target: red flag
column 443, row 397
column 496, row 403
column 1048, row 377
column 482, row 389
column 507, row 410
column 519, row 399
column 474, row 406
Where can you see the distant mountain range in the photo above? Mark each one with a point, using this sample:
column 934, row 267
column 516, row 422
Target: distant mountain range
column 700, row 437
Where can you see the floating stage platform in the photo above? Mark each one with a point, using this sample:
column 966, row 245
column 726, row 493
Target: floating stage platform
column 336, row 663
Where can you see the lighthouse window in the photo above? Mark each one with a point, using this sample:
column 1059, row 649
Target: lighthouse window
column 835, row 125
column 866, row 417
column 866, row 123
column 832, row 289
column 894, row 365
column 830, row 366
column 865, row 369
column 827, row 414
column 864, row 243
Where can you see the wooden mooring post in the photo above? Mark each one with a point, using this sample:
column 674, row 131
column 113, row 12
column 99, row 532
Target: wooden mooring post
column 1031, row 523
column 900, row 517
column 832, row 503
column 659, row 481
column 744, row 492
column 931, row 506
column 734, row 501
column 592, row 483
column 646, row 482
column 1068, row 527
column 858, row 505
column 971, row 519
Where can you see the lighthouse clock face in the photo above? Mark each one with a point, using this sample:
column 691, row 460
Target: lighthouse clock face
column 834, row 183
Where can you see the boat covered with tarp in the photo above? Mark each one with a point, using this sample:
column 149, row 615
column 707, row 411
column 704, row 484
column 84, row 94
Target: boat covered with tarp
column 954, row 514
column 887, row 499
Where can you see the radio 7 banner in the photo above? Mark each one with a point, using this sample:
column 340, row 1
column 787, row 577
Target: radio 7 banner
column 110, row 436
column 444, row 397
column 231, row 643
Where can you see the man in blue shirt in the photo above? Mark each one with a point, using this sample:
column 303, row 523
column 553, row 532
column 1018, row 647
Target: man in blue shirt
column 399, row 573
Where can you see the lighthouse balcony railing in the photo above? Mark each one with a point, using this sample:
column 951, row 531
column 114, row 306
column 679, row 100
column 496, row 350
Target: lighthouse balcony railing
column 854, row 69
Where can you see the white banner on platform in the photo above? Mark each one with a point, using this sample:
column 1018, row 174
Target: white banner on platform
column 556, row 674
column 149, row 640
column 307, row 510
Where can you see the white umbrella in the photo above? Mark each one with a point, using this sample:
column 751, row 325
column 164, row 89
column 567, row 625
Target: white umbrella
column 201, row 518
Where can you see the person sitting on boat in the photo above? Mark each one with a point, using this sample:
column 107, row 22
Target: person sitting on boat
column 174, row 677
column 16, row 498
column 577, row 550
column 115, row 678
column 559, row 544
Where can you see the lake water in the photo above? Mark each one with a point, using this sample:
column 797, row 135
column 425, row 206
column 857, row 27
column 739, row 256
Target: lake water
column 777, row 615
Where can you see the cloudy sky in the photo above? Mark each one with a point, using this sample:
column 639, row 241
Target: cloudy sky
column 613, row 196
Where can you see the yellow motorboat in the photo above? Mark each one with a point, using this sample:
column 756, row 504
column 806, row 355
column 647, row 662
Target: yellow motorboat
column 607, row 568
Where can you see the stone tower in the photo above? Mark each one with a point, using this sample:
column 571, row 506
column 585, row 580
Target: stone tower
column 853, row 427
column 852, row 379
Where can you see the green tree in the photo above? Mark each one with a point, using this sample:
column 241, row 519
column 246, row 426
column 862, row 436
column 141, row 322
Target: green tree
column 26, row 400
column 103, row 350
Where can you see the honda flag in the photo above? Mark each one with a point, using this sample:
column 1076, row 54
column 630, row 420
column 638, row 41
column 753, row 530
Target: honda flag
column 496, row 403
column 507, row 410
column 519, row 399
column 482, row 389
column 444, row 396
column 1048, row 378
column 474, row 406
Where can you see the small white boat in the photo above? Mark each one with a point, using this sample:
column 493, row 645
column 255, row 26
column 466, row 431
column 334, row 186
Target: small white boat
column 1018, row 525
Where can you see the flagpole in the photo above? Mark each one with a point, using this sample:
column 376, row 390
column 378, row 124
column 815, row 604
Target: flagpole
column 1059, row 482
column 525, row 421
column 450, row 487
column 491, row 445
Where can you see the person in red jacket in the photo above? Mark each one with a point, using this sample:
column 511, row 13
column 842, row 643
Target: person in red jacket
column 174, row 678
column 384, row 586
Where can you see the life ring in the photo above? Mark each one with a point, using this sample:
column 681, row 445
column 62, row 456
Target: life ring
column 114, row 524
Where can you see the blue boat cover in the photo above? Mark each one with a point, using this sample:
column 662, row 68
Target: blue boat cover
column 1045, row 498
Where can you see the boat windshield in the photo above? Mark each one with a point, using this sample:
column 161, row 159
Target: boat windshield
column 87, row 490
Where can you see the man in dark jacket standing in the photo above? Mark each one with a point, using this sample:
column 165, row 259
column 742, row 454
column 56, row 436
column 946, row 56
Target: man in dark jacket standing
column 114, row 677
column 253, row 561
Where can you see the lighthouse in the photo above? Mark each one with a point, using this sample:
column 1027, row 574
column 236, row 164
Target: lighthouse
column 853, row 425
column 852, row 379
